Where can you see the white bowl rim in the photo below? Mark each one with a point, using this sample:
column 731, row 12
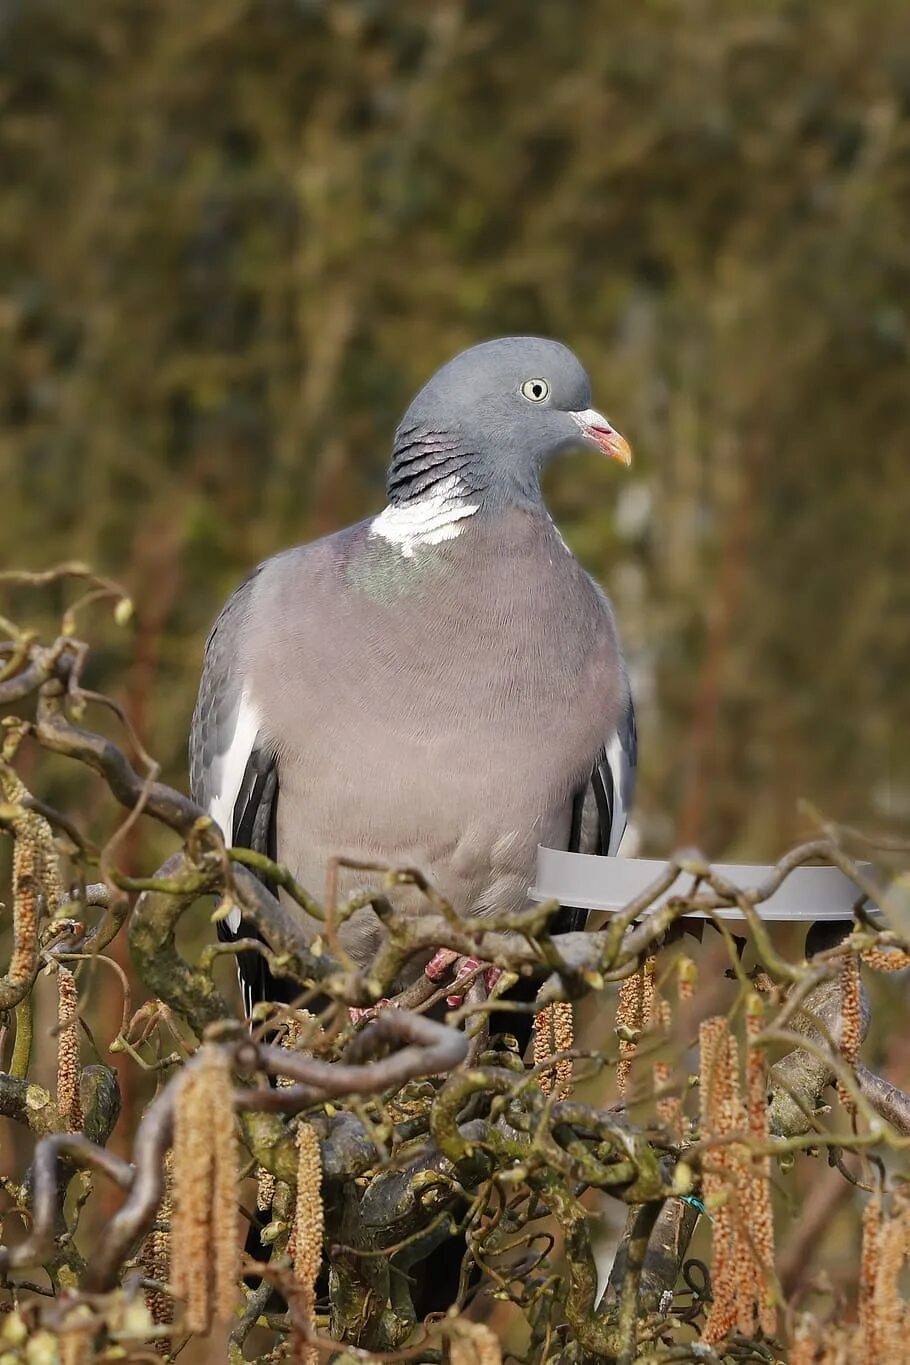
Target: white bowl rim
column 813, row 893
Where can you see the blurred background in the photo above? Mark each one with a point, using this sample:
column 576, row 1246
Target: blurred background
column 236, row 235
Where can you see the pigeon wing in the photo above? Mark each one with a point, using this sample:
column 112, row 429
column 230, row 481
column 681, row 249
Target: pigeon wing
column 600, row 812
column 234, row 776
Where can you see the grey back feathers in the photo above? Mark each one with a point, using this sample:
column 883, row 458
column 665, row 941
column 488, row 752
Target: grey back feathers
column 439, row 685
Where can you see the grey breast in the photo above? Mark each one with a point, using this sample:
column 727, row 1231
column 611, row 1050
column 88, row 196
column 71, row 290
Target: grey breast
column 423, row 714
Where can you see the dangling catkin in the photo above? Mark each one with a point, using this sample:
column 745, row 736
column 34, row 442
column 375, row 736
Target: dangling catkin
column 758, row 1189
column 826, row 1343
column 69, row 1104
column 805, row 1343
column 205, row 1229
column 225, row 1213
column 265, row 1189
column 868, row 1274
column 542, row 1042
column 554, row 1031
column 156, row 1252
column 27, row 868
column 295, row 1025
column 718, row 1093
column 473, row 1343
column 886, row 959
column 686, row 980
column 628, row 1015
column 36, row 865
column 308, row 1228
column 887, row 1305
column 75, row 1347
column 735, row 1180
column 634, row 1010
column 564, row 1035
column 25, row 910
column 647, row 992
column 669, row 1107
column 265, row 1181
column 851, row 1032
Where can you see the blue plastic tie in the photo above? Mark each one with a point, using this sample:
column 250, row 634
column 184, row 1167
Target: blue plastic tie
column 696, row 1203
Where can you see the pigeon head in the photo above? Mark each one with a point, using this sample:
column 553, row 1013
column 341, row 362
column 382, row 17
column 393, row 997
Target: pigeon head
column 488, row 421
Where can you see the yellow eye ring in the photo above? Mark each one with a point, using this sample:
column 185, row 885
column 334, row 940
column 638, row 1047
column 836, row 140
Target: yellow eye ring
column 535, row 390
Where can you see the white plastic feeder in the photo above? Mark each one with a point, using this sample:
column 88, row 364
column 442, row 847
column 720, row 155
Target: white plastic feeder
column 609, row 884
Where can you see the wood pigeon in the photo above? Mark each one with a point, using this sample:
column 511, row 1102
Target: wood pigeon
column 440, row 685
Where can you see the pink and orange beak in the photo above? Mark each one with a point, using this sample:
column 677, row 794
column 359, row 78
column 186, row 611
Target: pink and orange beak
column 597, row 431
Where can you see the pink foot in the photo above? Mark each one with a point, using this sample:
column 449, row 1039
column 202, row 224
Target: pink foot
column 437, row 969
column 357, row 1013
column 445, row 958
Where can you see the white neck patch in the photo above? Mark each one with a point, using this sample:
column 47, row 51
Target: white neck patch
column 425, row 521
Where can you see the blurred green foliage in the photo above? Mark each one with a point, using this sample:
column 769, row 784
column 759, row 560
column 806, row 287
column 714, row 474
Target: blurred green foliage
column 235, row 236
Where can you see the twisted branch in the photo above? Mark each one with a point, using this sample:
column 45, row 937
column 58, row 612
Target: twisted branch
column 414, row 1143
column 425, row 1048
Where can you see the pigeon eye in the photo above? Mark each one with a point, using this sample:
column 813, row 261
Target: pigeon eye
column 535, row 390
